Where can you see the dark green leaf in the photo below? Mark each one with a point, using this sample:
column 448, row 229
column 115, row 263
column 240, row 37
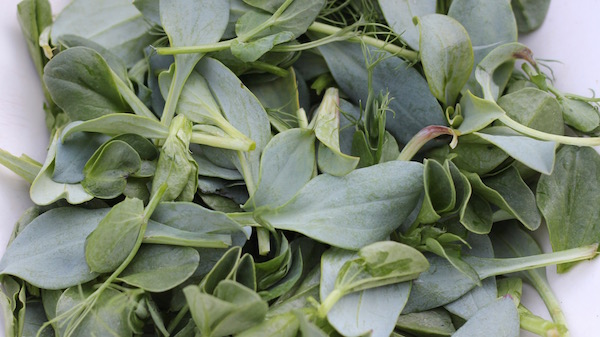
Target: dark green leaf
column 414, row 106
column 107, row 170
column 158, row 268
column 115, row 237
column 568, row 199
column 446, row 54
column 82, row 84
column 45, row 256
column 362, row 217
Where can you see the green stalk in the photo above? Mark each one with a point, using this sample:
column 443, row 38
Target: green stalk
column 487, row 267
column 409, row 55
column 329, row 302
column 134, row 102
column 23, row 166
column 222, row 142
column 317, row 27
column 538, row 325
column 549, row 299
column 577, row 141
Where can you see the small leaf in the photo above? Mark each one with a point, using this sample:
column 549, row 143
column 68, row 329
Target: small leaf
column 107, row 171
column 158, row 268
column 536, row 154
column 446, row 55
column 82, row 84
column 115, row 237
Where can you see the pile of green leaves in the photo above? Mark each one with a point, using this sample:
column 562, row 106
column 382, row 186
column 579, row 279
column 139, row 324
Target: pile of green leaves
column 269, row 168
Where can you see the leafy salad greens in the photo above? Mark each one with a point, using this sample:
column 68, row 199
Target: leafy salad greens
column 297, row 168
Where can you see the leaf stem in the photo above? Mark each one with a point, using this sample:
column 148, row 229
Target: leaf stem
column 409, row 55
column 222, row 142
column 577, row 141
column 486, row 267
column 138, row 107
column 549, row 299
column 317, row 27
column 23, row 166
column 329, row 302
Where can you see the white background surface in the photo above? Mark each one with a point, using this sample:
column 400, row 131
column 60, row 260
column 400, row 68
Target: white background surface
column 569, row 35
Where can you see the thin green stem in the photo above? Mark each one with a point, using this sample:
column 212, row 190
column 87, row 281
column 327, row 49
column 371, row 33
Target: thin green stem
column 549, row 299
column 23, row 166
column 486, row 267
column 329, row 302
column 409, row 55
column 577, row 141
column 222, row 142
column 206, row 48
column 272, row 69
column 538, row 325
column 336, row 34
column 138, row 107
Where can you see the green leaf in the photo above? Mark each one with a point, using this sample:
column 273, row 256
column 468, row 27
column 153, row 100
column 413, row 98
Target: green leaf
column 492, row 73
column 489, row 24
column 287, row 164
column 580, row 115
column 355, row 313
column 509, row 192
column 253, row 50
column 158, row 268
column 175, row 166
column 470, row 303
column 107, row 170
column 352, row 211
column 435, row 322
column 475, row 155
column 477, row 113
column 284, row 325
column 108, row 316
column 182, row 20
column 536, row 154
column 530, row 14
column 233, row 309
column 331, row 160
column 34, row 16
column 440, row 193
column 113, row 61
column 115, row 237
column 446, row 54
column 223, row 269
column 116, row 124
column 45, row 256
column 295, row 19
column 45, row 191
column 534, row 108
column 115, row 24
column 158, row 233
column 413, row 104
column 83, row 85
column 188, row 216
column 73, row 153
column 243, row 110
column 499, row 318
column 280, row 98
column 399, row 16
column 34, row 318
column 568, row 197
